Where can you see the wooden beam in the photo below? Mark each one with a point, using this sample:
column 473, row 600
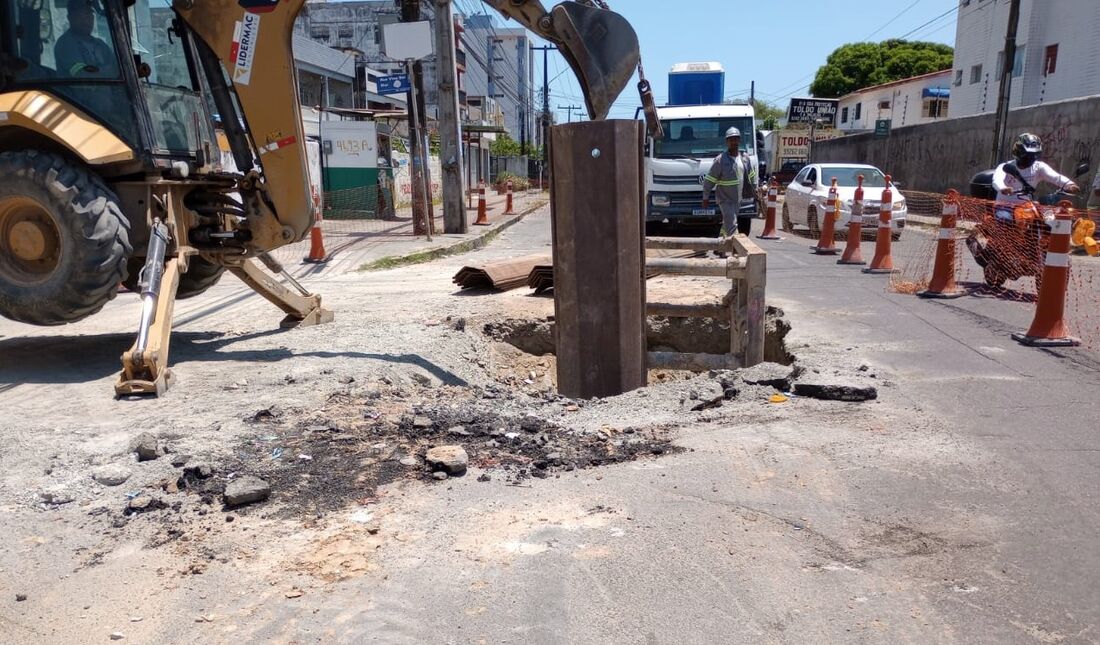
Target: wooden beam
column 597, row 198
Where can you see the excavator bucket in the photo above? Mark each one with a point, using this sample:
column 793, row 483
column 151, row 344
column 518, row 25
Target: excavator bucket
column 602, row 49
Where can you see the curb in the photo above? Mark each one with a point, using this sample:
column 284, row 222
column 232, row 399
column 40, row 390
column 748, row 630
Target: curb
column 454, row 248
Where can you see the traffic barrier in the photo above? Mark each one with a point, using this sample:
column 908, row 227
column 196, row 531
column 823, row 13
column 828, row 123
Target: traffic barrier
column 769, row 232
column 482, row 209
column 1048, row 329
column 943, row 283
column 883, row 262
column 508, row 204
column 853, row 252
column 826, row 243
column 317, row 253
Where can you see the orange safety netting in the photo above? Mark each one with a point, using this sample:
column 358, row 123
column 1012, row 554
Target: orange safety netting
column 1002, row 257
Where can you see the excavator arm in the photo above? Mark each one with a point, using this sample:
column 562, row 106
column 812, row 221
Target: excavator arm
column 252, row 40
column 600, row 45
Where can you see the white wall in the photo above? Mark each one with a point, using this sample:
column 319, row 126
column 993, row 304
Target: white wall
column 1071, row 24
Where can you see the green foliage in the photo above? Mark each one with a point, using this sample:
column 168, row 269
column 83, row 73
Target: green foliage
column 768, row 114
column 505, row 146
column 855, row 66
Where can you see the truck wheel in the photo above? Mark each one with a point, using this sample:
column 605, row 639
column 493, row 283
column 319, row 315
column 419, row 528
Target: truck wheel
column 201, row 275
column 64, row 241
column 788, row 227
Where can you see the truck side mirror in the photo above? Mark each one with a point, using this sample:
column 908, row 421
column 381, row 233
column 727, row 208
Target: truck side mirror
column 648, row 147
column 1083, row 168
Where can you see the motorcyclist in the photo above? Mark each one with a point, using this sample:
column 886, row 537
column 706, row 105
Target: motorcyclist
column 1016, row 180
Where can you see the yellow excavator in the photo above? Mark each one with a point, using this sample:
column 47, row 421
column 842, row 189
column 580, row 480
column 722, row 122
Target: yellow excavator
column 110, row 169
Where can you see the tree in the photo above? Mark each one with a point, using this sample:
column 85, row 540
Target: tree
column 504, row 146
column 855, row 66
column 768, row 114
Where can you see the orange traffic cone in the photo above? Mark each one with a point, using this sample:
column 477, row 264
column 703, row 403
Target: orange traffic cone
column 317, row 253
column 482, row 212
column 1048, row 329
column 508, row 208
column 943, row 284
column 883, row 262
column 769, row 221
column 853, row 253
column 826, row 244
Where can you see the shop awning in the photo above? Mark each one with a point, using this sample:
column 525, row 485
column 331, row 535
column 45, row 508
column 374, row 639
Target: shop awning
column 936, row 93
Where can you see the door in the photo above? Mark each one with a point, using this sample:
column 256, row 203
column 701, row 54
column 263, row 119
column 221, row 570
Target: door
column 797, row 206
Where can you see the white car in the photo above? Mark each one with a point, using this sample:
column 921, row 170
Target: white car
column 806, row 195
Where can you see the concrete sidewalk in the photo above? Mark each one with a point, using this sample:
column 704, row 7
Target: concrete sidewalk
column 352, row 245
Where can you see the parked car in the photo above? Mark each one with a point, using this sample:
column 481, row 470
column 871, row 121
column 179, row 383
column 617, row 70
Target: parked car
column 806, row 194
column 787, row 171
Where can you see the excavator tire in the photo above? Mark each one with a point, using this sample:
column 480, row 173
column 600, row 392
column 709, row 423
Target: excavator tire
column 64, row 242
column 201, row 275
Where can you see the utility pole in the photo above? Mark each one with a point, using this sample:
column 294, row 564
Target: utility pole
column 1005, row 93
column 570, row 109
column 752, row 93
column 450, row 133
column 421, row 193
column 545, row 107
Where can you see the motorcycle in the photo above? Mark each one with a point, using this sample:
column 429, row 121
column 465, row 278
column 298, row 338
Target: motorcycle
column 1011, row 249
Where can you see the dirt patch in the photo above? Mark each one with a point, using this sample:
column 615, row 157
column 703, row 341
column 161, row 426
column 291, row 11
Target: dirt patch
column 691, row 335
column 360, row 442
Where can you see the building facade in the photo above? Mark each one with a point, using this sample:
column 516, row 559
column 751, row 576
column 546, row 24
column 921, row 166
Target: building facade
column 499, row 66
column 1057, row 57
column 909, row 101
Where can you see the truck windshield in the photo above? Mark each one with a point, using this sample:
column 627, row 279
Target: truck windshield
column 846, row 176
column 702, row 137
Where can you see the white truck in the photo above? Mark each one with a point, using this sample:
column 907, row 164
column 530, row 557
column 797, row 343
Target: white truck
column 676, row 163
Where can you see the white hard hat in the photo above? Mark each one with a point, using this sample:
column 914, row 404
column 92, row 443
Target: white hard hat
column 733, row 132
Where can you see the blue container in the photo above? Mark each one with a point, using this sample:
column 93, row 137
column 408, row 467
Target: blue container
column 696, row 88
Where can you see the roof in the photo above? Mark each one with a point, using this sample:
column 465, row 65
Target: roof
column 944, row 72
column 704, row 111
column 684, row 68
column 319, row 59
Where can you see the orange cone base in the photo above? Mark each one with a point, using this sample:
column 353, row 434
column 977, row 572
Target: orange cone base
column 481, row 221
column 881, row 271
column 852, row 262
column 943, row 295
column 313, row 260
column 1034, row 341
column 820, row 250
column 773, row 236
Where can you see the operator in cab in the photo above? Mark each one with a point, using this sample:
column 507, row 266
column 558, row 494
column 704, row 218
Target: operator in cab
column 79, row 53
column 726, row 178
column 1023, row 174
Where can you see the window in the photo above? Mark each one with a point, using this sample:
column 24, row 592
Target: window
column 1018, row 62
column 318, row 33
column 801, row 177
column 1050, row 60
column 934, row 108
column 701, row 137
column 843, row 115
column 859, row 110
column 884, row 105
column 346, row 31
column 813, row 175
column 975, row 74
column 958, row 77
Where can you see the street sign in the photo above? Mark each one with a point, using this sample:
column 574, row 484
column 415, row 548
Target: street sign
column 408, row 40
column 882, row 128
column 394, row 84
column 808, row 110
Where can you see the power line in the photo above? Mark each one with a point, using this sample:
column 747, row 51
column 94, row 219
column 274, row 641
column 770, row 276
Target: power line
column 946, row 13
column 891, row 21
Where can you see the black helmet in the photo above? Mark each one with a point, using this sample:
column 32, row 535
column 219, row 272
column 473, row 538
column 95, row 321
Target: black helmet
column 1027, row 148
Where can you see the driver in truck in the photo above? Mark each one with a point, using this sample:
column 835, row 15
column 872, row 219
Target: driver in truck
column 726, row 177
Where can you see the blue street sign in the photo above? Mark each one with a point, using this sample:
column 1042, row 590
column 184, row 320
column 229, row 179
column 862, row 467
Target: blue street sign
column 394, row 84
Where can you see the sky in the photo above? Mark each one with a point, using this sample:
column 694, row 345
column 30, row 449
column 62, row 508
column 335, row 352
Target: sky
column 778, row 43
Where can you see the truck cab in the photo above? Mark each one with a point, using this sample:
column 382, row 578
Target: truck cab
column 677, row 161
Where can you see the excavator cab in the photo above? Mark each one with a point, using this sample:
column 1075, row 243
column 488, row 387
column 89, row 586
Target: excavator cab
column 127, row 66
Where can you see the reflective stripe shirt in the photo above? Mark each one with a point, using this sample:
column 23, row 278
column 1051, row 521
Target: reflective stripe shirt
column 724, row 178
